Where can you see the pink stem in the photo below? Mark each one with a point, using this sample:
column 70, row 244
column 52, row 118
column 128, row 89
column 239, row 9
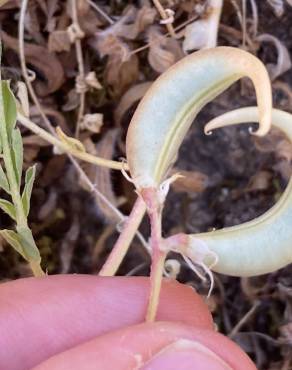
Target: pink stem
column 123, row 243
column 158, row 256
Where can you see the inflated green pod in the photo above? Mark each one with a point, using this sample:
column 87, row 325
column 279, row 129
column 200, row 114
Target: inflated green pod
column 264, row 244
column 172, row 102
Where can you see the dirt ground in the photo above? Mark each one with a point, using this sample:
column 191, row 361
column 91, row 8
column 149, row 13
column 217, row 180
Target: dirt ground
column 236, row 176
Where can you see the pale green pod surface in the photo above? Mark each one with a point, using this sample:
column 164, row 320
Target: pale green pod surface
column 170, row 105
column 264, row 244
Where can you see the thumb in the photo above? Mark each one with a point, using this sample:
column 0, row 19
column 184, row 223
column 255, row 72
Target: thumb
column 159, row 345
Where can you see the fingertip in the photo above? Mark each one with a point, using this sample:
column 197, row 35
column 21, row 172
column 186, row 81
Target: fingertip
column 158, row 345
column 59, row 312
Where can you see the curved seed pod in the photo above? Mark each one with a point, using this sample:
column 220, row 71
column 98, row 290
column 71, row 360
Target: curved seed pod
column 264, row 244
column 172, row 102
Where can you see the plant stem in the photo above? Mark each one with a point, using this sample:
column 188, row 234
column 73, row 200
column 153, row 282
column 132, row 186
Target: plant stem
column 157, row 266
column 36, row 269
column 154, row 209
column 59, row 144
column 122, row 245
column 81, row 71
column 164, row 16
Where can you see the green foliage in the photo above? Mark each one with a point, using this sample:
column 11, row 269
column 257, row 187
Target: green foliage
column 29, row 180
column 3, row 180
column 14, row 240
column 8, row 208
column 17, row 154
column 11, row 150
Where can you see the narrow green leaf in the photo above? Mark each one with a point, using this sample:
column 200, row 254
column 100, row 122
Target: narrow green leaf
column 29, row 180
column 13, row 239
column 3, row 180
column 8, row 208
column 30, row 249
column 9, row 107
column 17, row 150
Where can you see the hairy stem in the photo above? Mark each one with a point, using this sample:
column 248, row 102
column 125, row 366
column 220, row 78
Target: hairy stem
column 154, row 209
column 122, row 245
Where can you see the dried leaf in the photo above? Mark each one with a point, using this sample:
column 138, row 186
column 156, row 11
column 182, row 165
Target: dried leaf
column 133, row 22
column 202, row 33
column 191, row 181
column 260, row 181
column 163, row 51
column 46, row 63
column 101, row 176
column 92, row 122
column 275, row 142
column 92, row 81
column 277, row 6
column 8, row 4
column 109, row 44
column 134, row 94
column 59, row 41
column 122, row 68
column 283, row 60
column 32, row 23
column 50, row 8
column 87, row 18
column 72, row 101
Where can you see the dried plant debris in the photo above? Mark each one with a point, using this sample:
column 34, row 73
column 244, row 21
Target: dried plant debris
column 283, row 59
column 45, row 63
column 101, row 177
column 277, row 6
column 134, row 94
column 163, row 52
column 202, row 33
column 122, row 68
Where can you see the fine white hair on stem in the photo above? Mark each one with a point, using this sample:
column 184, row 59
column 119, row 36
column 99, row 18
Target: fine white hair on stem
column 206, row 269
